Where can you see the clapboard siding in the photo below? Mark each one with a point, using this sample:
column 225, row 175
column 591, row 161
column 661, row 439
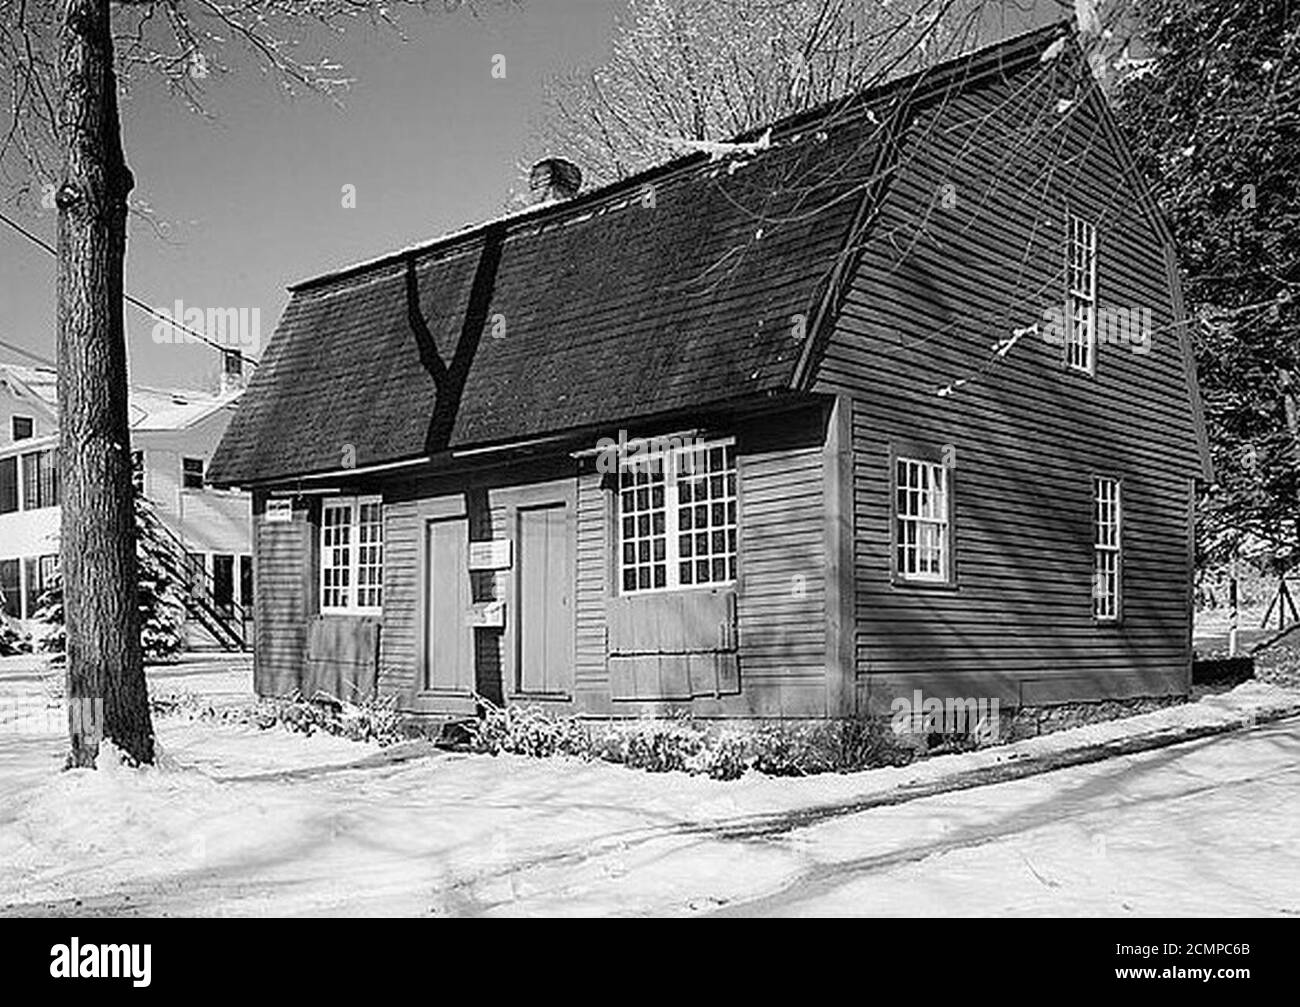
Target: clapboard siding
column 592, row 584
column 781, row 603
column 283, row 601
column 938, row 284
column 399, row 639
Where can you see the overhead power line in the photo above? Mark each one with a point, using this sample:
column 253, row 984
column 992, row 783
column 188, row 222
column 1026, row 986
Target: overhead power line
column 27, row 353
column 131, row 299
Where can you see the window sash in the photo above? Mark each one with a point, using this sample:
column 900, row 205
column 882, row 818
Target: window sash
column 922, row 501
column 677, row 519
column 1107, row 549
column 40, row 480
column 1081, row 294
column 352, row 555
column 9, row 484
column 192, row 473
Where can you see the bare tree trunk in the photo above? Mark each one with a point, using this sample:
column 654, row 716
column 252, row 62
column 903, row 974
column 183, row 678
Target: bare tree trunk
column 106, row 687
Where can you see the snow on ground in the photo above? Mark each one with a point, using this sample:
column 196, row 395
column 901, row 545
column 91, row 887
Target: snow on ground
column 246, row 822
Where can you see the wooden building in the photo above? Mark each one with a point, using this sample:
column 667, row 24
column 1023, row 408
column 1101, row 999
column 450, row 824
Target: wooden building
column 897, row 396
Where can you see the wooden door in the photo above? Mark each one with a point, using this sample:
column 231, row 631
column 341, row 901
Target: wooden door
column 448, row 638
column 545, row 650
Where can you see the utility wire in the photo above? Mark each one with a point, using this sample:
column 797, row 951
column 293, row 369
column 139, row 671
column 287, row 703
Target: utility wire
column 28, row 354
column 128, row 297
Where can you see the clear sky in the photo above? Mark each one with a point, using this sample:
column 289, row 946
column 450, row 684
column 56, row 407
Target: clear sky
column 253, row 200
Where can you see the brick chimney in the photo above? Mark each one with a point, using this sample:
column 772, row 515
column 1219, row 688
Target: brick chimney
column 554, row 179
column 232, row 371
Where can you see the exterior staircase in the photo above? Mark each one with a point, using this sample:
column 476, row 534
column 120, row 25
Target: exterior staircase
column 225, row 620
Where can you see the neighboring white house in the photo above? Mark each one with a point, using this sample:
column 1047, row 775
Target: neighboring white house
column 173, row 435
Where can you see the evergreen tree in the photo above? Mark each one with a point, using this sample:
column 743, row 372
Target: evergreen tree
column 1212, row 112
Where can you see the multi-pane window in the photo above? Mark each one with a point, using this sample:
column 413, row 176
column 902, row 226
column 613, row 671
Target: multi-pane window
column 192, row 473
column 677, row 518
column 1106, row 549
column 40, row 480
column 10, row 586
column 41, row 574
column 246, row 581
column 644, row 522
column 8, row 485
column 706, row 515
column 921, row 520
column 1081, row 294
column 352, row 555
column 223, row 581
column 370, row 555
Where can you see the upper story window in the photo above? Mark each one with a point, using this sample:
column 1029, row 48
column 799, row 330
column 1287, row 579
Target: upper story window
column 677, row 518
column 192, row 473
column 352, row 555
column 1081, row 294
column 40, row 475
column 22, row 427
column 922, row 520
column 1107, row 549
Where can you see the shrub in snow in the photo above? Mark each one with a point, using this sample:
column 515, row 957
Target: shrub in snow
column 376, row 719
column 530, row 731
column 680, row 744
column 12, row 639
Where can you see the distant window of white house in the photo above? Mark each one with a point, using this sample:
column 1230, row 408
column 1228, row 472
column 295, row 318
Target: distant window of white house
column 677, row 518
column 192, row 473
column 922, row 520
column 137, row 472
column 8, row 484
column 1107, row 549
column 22, row 427
column 352, row 555
column 40, row 479
column 1081, row 294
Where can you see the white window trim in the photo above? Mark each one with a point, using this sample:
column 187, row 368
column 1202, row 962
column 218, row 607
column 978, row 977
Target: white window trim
column 1075, row 295
column 354, row 555
column 672, row 558
column 203, row 474
column 1117, row 550
column 944, row 523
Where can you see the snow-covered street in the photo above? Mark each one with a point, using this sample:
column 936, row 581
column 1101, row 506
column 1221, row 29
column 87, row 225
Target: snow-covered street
column 240, row 821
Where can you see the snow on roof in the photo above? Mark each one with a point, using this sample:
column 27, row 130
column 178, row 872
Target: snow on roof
column 151, row 408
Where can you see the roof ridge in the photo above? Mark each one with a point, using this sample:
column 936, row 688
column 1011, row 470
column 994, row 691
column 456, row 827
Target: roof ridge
column 856, row 103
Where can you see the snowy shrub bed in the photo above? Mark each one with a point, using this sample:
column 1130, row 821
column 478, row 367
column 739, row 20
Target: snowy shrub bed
column 680, row 744
column 374, row 720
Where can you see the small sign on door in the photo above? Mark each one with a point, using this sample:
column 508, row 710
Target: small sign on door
column 279, row 512
column 493, row 554
column 491, row 615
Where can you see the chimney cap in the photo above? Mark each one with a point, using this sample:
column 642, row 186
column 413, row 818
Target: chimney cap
column 554, row 178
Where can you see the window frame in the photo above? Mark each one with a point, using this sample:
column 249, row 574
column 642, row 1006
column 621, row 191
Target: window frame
column 672, row 518
column 1077, row 295
column 1116, row 550
column 925, row 454
column 186, row 473
column 14, row 420
column 40, row 485
column 13, row 486
column 354, row 564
